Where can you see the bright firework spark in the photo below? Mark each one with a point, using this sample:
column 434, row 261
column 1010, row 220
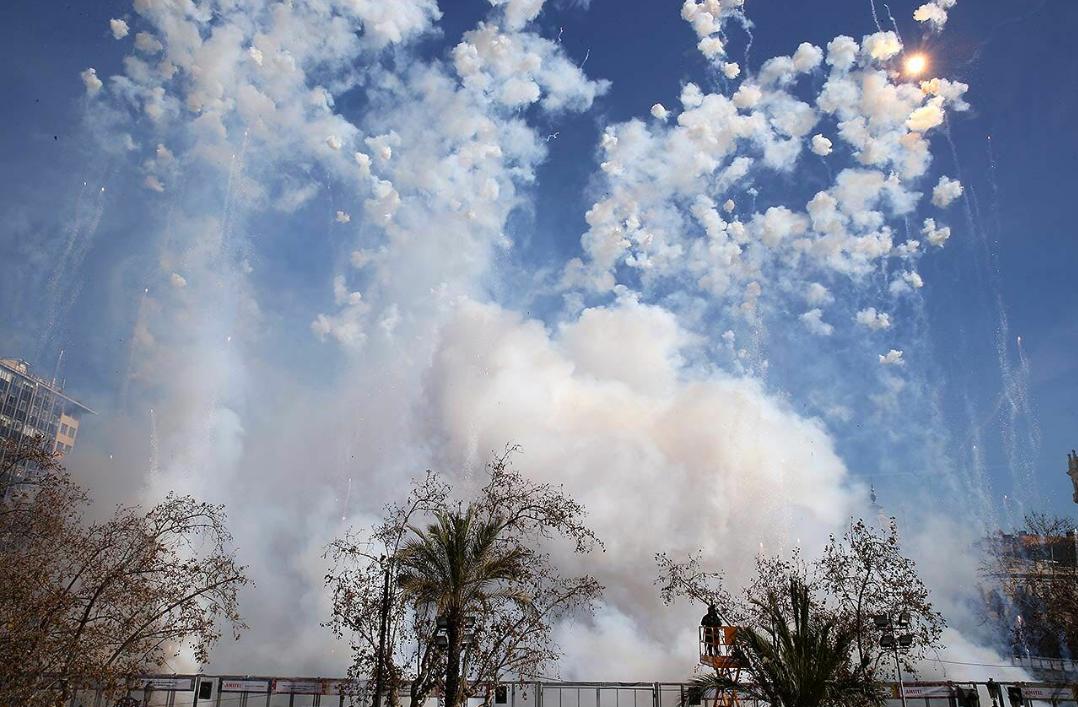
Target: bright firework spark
column 916, row 64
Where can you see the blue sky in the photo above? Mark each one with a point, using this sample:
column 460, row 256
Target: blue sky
column 133, row 342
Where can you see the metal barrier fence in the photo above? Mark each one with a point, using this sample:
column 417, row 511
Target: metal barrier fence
column 262, row 691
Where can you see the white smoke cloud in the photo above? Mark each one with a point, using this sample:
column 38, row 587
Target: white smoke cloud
column 882, row 45
column 892, row 358
column 607, row 401
column 872, row 319
column 518, row 69
column 946, row 191
column 934, row 13
column 147, row 43
column 707, row 18
column 936, row 235
column 90, row 81
column 821, row 145
column 118, row 28
column 615, row 396
column 519, row 13
column 813, row 321
column 816, row 293
column 659, row 111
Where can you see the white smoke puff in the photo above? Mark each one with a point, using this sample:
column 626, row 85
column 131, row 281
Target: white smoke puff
column 815, row 293
column 927, row 116
column 334, row 142
column 659, row 111
column 153, row 183
column 178, row 281
column 518, row 69
column 908, row 249
column 729, row 206
column 953, row 92
column 341, row 293
column 936, row 235
column 119, row 28
column 518, row 92
column 881, row 46
column 946, row 191
column 90, row 80
column 384, row 202
column 691, row 96
column 731, row 69
column 872, row 319
column 821, row 145
column 728, row 337
column 382, row 145
column 842, row 52
column 813, row 321
column 343, row 217
column 148, row 44
column 807, row 57
column 393, row 22
column 156, row 103
column 364, row 162
column 906, row 282
column 747, row 96
column 712, row 47
column 163, row 155
column 933, row 14
column 892, row 358
column 778, row 224
column 518, row 13
column 256, row 55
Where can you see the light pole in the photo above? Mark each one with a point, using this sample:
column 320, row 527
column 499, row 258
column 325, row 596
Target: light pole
column 442, row 633
column 889, row 625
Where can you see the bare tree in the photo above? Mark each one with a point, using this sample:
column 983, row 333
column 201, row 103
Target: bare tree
column 25, row 460
column 357, row 582
column 859, row 575
column 97, row 604
column 509, row 632
column 866, row 575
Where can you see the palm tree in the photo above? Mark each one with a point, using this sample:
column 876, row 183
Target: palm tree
column 799, row 657
column 456, row 566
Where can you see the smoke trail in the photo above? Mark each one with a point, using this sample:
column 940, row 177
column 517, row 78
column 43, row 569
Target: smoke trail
column 894, row 25
column 1018, row 426
column 65, row 284
column 875, row 17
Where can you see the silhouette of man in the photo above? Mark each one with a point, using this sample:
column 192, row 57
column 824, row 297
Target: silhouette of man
column 711, row 623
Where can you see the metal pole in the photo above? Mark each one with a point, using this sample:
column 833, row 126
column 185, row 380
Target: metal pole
column 382, row 639
column 898, row 669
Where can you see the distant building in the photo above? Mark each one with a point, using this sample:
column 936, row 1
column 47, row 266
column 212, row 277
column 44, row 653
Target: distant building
column 31, row 406
column 1032, row 592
